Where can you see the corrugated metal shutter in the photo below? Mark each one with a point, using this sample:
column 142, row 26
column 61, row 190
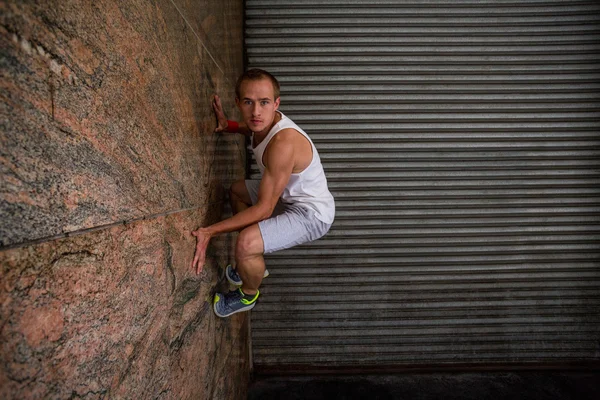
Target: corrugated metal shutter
column 461, row 141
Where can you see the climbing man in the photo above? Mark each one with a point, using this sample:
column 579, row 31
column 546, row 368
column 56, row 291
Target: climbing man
column 288, row 206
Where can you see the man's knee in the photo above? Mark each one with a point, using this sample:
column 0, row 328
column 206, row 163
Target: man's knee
column 249, row 243
column 239, row 191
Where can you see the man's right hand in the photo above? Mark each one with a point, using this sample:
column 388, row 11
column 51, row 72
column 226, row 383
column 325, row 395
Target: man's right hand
column 221, row 118
column 203, row 236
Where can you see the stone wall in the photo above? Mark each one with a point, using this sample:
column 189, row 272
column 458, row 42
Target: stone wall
column 107, row 162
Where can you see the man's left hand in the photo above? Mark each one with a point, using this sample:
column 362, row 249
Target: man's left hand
column 203, row 236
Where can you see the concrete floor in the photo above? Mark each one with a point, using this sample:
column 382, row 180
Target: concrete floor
column 464, row 386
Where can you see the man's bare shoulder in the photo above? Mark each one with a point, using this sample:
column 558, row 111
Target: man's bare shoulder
column 282, row 141
column 287, row 135
column 293, row 145
column 284, row 138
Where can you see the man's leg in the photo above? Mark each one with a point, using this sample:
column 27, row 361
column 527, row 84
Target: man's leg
column 249, row 258
column 296, row 225
column 251, row 267
column 239, row 197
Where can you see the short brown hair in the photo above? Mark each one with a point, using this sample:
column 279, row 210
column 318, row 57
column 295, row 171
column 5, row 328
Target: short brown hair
column 256, row 74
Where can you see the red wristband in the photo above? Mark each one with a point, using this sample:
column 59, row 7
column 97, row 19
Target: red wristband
column 233, row 127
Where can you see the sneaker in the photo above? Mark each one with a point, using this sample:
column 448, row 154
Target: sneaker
column 232, row 302
column 234, row 278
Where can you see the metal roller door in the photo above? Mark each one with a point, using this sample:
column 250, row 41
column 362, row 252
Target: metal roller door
column 461, row 141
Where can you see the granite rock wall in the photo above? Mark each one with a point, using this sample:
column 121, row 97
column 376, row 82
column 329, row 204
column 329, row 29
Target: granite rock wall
column 107, row 162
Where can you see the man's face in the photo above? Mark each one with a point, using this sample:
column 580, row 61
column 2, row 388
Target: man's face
column 257, row 104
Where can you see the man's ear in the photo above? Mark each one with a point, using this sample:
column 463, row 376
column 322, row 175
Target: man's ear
column 237, row 102
column 277, row 103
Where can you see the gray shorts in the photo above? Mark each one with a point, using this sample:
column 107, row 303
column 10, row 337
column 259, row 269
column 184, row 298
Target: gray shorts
column 289, row 225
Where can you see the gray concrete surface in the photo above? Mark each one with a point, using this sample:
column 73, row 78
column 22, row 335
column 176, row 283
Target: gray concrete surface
column 529, row 385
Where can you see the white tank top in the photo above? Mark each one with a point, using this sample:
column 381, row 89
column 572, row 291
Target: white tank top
column 307, row 188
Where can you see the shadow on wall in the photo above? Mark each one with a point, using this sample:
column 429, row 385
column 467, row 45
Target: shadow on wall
column 108, row 163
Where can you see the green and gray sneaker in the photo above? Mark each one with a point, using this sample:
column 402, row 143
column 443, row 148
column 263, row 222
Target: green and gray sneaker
column 233, row 302
column 234, row 278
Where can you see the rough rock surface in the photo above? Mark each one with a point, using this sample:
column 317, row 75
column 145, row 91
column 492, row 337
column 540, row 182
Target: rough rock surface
column 107, row 162
column 106, row 110
column 117, row 313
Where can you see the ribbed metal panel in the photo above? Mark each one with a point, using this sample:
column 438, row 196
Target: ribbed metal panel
column 461, row 142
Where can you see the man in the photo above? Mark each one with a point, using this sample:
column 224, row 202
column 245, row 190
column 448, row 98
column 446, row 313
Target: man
column 290, row 205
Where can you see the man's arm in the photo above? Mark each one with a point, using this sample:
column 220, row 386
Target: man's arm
column 279, row 160
column 222, row 120
column 279, row 164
